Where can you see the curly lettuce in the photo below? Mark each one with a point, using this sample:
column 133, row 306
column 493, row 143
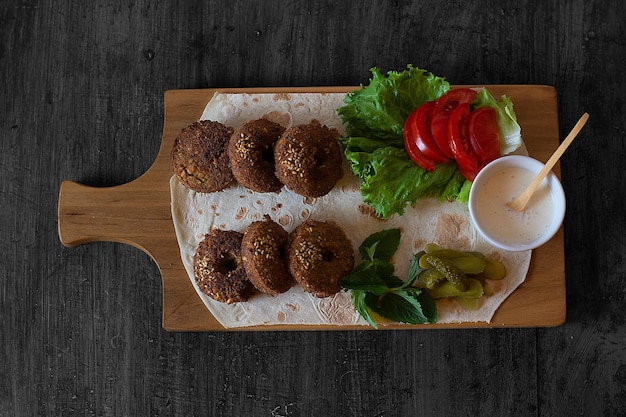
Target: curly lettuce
column 379, row 109
column 390, row 180
column 508, row 128
column 374, row 116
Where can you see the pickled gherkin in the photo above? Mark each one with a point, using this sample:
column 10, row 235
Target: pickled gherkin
column 431, row 277
column 470, row 264
column 433, row 249
column 494, row 270
column 453, row 274
column 461, row 275
column 447, row 289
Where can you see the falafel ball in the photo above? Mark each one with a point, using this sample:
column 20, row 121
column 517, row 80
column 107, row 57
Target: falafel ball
column 199, row 156
column 319, row 256
column 218, row 268
column 308, row 159
column 251, row 154
column 263, row 254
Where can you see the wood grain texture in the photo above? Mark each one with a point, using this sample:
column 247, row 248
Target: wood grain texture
column 82, row 98
column 138, row 214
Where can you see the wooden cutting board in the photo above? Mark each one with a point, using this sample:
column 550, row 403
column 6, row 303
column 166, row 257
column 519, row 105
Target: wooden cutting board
column 138, row 214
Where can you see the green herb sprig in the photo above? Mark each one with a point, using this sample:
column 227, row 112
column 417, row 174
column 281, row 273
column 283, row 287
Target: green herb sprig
column 374, row 287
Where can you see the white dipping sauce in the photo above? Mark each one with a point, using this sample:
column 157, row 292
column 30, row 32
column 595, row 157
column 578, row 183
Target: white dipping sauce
column 514, row 227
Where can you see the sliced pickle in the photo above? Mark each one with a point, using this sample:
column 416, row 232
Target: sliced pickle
column 450, row 273
column 431, row 278
column 432, row 247
column 494, row 270
column 423, row 262
column 468, row 303
column 470, row 264
column 447, row 289
column 447, row 268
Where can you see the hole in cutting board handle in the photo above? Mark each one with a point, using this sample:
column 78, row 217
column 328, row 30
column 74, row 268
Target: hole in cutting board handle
column 106, row 214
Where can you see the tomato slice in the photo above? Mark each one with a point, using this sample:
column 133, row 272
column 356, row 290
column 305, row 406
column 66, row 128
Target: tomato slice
column 441, row 113
column 450, row 100
column 483, row 134
column 415, row 154
column 458, row 132
column 418, row 124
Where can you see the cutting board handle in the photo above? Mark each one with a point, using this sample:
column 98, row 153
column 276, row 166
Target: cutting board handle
column 92, row 214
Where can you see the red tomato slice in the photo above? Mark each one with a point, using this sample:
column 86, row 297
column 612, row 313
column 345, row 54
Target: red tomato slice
column 439, row 130
column 458, row 132
column 411, row 148
column 418, row 124
column 450, row 100
column 441, row 113
column 483, row 134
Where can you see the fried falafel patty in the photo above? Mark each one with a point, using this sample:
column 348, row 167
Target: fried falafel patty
column 263, row 253
column 200, row 158
column 308, row 159
column 218, row 269
column 251, row 154
column 319, row 256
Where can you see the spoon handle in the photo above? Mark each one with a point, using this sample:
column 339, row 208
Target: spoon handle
column 564, row 145
column 520, row 202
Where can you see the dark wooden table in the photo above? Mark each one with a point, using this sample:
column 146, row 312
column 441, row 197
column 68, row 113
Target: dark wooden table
column 81, row 98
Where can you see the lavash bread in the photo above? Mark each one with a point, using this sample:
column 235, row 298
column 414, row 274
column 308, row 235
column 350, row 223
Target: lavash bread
column 236, row 207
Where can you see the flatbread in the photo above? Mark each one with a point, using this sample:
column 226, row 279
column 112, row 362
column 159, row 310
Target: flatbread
column 447, row 224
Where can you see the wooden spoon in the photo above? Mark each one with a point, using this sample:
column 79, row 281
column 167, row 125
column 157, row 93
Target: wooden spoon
column 519, row 204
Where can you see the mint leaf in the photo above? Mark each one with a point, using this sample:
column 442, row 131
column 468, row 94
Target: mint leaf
column 414, row 268
column 429, row 307
column 381, row 245
column 369, row 253
column 374, row 287
column 365, row 280
column 381, row 268
column 358, row 300
column 398, row 306
column 393, row 282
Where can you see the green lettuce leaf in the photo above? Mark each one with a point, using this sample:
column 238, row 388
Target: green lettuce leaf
column 374, row 116
column 390, row 180
column 379, row 109
column 508, row 128
column 457, row 188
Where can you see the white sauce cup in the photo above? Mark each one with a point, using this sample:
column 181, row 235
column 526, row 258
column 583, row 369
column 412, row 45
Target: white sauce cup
column 499, row 183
